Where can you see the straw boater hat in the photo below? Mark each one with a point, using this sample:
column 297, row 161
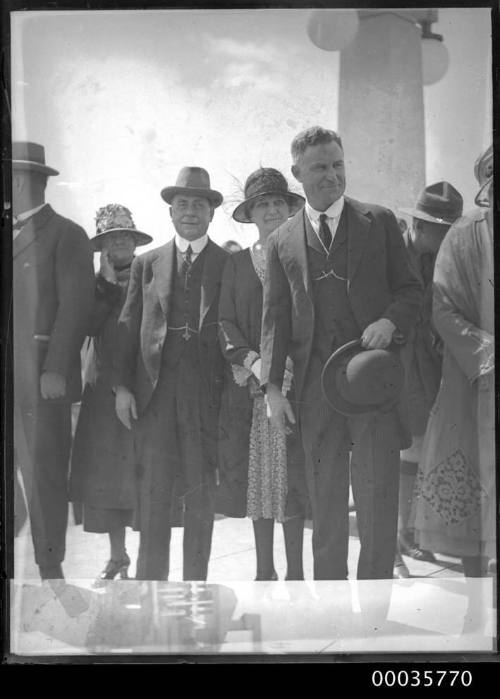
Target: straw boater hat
column 483, row 170
column 438, row 203
column 193, row 182
column 113, row 218
column 356, row 380
column 266, row 180
column 30, row 156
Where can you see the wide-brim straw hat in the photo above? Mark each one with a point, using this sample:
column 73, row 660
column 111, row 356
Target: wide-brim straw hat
column 356, row 380
column 30, row 156
column 266, row 180
column 438, row 203
column 193, row 182
column 115, row 218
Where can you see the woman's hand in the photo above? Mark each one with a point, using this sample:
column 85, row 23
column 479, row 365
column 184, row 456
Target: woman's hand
column 278, row 408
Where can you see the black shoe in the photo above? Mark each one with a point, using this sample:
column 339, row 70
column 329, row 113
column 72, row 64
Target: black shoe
column 273, row 576
column 54, row 572
column 112, row 569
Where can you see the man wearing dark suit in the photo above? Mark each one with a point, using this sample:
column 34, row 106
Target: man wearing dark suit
column 338, row 271
column 169, row 371
column 53, row 291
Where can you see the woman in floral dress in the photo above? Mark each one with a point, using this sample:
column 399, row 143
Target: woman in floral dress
column 261, row 472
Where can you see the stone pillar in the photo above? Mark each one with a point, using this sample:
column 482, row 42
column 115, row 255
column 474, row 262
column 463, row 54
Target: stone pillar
column 381, row 109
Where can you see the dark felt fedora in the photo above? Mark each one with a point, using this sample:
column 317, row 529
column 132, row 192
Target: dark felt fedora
column 266, row 180
column 116, row 218
column 30, row 156
column 438, row 203
column 193, row 182
column 356, row 380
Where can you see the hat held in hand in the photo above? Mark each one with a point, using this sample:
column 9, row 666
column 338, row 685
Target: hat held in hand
column 116, row 218
column 356, row 380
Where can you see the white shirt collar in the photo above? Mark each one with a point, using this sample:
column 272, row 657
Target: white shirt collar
column 27, row 214
column 196, row 245
column 333, row 211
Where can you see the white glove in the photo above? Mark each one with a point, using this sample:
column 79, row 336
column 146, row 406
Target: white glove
column 256, row 369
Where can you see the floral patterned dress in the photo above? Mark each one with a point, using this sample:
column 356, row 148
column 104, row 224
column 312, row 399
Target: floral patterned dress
column 261, row 471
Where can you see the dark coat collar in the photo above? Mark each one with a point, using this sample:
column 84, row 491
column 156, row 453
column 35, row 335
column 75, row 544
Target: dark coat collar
column 164, row 269
column 32, row 229
column 358, row 222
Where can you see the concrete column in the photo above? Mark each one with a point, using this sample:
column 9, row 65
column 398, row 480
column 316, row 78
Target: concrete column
column 381, row 110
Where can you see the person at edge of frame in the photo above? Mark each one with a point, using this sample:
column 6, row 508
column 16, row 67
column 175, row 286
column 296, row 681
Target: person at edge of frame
column 53, row 294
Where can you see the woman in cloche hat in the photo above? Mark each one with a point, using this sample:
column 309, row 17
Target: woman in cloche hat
column 455, row 510
column 102, row 468
column 261, row 475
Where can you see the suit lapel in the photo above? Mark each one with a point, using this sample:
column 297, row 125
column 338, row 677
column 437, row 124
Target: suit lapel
column 358, row 226
column 210, row 281
column 31, row 230
column 163, row 273
column 295, row 247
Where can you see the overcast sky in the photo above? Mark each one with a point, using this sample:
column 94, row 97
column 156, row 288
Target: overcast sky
column 122, row 100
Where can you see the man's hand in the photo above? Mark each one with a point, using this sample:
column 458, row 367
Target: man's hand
column 125, row 406
column 378, row 335
column 278, row 408
column 107, row 270
column 52, row 385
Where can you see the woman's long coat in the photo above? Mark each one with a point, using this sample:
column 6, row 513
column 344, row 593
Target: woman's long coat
column 455, row 508
column 240, row 318
column 103, row 461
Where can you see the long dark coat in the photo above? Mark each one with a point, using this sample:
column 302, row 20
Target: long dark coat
column 142, row 331
column 102, row 462
column 240, row 318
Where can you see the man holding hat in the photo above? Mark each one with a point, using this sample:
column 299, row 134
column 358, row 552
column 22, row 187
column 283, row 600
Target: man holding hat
column 169, row 371
column 438, row 206
column 338, row 271
column 53, row 280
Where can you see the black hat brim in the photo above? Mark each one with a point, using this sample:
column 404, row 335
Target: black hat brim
column 329, row 383
column 216, row 198
column 295, row 201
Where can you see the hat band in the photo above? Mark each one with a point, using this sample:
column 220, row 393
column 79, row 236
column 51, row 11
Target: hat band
column 438, row 212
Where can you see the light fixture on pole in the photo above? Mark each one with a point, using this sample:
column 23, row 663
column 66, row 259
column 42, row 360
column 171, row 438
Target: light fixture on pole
column 332, row 30
column 435, row 58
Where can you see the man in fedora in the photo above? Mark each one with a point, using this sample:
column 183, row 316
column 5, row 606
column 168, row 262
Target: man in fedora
column 437, row 207
column 169, row 371
column 53, row 293
column 336, row 272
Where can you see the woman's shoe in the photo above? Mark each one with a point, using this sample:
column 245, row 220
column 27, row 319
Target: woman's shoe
column 420, row 554
column 112, row 569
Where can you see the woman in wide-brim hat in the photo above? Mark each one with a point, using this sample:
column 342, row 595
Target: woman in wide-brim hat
column 103, row 464
column 261, row 472
column 455, row 509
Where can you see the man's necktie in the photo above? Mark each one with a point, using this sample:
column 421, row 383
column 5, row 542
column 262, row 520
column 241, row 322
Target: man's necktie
column 187, row 261
column 324, row 231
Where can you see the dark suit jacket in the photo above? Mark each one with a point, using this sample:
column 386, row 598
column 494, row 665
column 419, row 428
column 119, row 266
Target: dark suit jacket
column 53, row 285
column 380, row 284
column 142, row 326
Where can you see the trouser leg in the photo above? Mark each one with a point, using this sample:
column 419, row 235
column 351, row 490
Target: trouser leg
column 293, row 529
column 325, row 440
column 375, row 483
column 42, row 435
column 154, row 544
column 198, row 528
column 263, row 530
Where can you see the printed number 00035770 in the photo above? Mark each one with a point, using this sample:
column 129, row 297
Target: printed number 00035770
column 421, row 678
